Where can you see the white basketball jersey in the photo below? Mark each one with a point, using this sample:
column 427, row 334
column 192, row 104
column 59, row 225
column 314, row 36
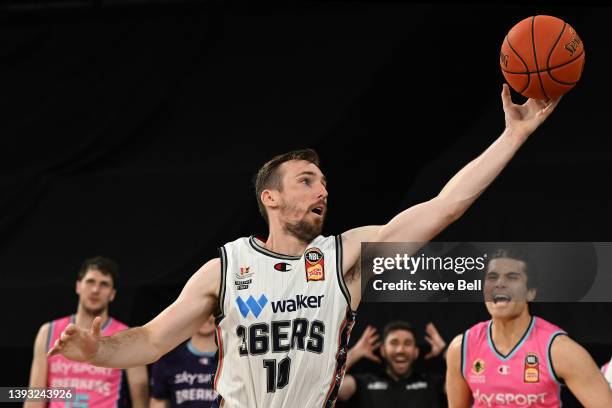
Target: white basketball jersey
column 284, row 325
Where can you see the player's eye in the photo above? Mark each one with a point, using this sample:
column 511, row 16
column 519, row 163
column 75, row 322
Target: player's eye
column 305, row 181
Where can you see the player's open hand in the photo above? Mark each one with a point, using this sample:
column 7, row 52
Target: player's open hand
column 367, row 344
column 525, row 118
column 78, row 344
column 437, row 343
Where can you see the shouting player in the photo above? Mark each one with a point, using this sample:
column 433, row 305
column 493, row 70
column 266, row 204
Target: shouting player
column 515, row 359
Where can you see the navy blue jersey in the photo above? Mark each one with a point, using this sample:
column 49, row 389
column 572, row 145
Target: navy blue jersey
column 185, row 377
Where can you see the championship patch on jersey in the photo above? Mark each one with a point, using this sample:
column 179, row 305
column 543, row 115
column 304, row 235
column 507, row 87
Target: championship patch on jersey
column 478, row 367
column 315, row 264
column 243, row 278
column 476, row 374
column 532, row 368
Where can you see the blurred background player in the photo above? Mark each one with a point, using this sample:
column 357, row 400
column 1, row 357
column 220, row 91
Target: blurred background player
column 400, row 382
column 515, row 359
column 95, row 386
column 184, row 377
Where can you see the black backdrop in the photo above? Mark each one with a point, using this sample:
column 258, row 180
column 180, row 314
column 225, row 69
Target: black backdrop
column 133, row 132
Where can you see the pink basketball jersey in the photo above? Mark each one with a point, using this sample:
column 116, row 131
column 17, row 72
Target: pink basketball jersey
column 95, row 386
column 606, row 369
column 523, row 378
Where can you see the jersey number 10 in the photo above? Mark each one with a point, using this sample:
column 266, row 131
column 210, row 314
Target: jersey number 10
column 277, row 381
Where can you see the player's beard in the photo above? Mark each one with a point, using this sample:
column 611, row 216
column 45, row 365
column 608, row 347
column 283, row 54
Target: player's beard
column 303, row 230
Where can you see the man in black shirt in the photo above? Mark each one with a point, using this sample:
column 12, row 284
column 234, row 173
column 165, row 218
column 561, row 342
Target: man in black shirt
column 399, row 384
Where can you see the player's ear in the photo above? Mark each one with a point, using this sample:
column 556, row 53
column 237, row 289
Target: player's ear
column 417, row 351
column 382, row 351
column 77, row 287
column 531, row 294
column 270, row 198
column 112, row 294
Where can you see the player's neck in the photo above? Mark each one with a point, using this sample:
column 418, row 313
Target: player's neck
column 203, row 343
column 84, row 319
column 506, row 333
column 282, row 242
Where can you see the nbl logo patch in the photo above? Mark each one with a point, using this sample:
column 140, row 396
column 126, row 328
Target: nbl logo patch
column 315, row 264
column 532, row 368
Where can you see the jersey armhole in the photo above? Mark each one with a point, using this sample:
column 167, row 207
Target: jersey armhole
column 340, row 273
column 50, row 335
column 464, row 341
column 551, row 369
column 220, row 312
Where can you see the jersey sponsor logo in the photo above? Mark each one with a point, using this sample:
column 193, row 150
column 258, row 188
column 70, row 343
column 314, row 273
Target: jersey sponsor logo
column 315, row 264
column 532, row 368
column 510, row 399
column 503, row 369
column 192, row 378
column 378, row 385
column 251, row 305
column 300, row 302
column 283, row 267
column 256, row 306
column 419, row 385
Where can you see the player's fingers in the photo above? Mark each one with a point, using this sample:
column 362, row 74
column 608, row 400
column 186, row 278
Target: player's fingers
column 55, row 349
column 551, row 106
column 373, row 357
column 64, row 337
column 71, row 329
column 95, row 326
column 374, row 339
column 505, row 95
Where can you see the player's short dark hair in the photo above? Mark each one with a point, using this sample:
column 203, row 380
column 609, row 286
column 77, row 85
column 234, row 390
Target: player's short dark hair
column 397, row 325
column 105, row 265
column 269, row 177
column 520, row 254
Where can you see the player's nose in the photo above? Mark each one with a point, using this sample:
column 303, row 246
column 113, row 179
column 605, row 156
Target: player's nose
column 323, row 192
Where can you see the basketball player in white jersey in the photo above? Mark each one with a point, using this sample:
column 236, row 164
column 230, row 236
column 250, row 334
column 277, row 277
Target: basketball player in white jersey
column 286, row 303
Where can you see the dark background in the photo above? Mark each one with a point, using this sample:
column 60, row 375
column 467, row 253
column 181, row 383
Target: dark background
column 133, row 131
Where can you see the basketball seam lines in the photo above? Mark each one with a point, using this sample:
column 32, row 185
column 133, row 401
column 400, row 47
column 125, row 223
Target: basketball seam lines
column 550, row 54
column 547, row 69
column 535, row 57
column 524, row 63
column 554, row 45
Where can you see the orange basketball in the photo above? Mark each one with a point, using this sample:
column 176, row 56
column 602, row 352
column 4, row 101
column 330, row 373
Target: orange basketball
column 542, row 57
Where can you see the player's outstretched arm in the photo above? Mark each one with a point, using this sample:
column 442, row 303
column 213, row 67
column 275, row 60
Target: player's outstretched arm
column 424, row 221
column 457, row 390
column 143, row 345
column 575, row 366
